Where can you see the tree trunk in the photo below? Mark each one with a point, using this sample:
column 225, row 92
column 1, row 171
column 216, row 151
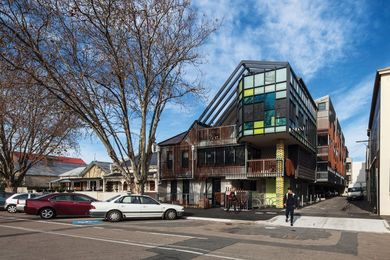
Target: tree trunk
column 10, row 187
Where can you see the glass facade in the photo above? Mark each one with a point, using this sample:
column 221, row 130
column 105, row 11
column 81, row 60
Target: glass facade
column 264, row 99
column 262, row 103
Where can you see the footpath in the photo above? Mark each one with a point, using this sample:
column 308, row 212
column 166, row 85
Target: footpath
column 335, row 213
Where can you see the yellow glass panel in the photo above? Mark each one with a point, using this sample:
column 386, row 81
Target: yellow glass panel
column 259, row 124
column 248, row 92
column 259, row 131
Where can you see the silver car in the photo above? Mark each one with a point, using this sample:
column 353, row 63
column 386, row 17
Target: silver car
column 17, row 201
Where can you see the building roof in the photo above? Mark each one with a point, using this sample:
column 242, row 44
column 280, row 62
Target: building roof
column 153, row 160
column 52, row 168
column 174, row 140
column 76, row 172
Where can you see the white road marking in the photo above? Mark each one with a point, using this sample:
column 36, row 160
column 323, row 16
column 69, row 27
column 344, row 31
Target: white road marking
column 122, row 242
column 99, row 227
column 172, row 235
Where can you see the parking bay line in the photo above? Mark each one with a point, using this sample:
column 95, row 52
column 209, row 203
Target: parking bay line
column 118, row 229
column 123, row 242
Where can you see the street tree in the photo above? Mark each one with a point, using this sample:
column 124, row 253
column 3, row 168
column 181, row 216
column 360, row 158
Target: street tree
column 33, row 125
column 116, row 63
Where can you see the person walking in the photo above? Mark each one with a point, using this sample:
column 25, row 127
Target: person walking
column 232, row 200
column 290, row 204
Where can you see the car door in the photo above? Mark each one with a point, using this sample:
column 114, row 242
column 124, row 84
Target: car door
column 150, row 207
column 82, row 204
column 63, row 204
column 130, row 206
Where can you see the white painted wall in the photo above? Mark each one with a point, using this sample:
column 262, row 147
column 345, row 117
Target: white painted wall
column 358, row 176
column 384, row 171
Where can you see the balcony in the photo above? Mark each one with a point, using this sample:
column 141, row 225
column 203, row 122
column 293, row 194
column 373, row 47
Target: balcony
column 216, row 135
column 322, row 176
column 265, row 168
column 322, row 150
column 229, row 172
column 168, row 173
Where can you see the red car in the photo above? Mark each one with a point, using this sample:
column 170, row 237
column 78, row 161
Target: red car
column 59, row 204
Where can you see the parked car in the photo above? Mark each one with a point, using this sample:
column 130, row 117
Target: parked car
column 134, row 206
column 3, row 197
column 355, row 193
column 59, row 204
column 11, row 203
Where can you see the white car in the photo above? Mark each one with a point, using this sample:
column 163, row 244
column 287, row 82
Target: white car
column 17, row 201
column 134, row 206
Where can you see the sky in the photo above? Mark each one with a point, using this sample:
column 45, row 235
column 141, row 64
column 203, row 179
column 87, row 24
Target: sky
column 335, row 46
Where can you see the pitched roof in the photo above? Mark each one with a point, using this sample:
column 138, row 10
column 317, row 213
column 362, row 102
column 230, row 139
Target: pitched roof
column 73, row 173
column 174, row 140
column 52, row 168
column 153, row 160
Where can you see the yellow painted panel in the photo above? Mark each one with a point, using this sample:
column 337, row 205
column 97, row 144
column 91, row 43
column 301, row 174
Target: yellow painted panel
column 248, row 92
column 259, row 131
column 259, row 124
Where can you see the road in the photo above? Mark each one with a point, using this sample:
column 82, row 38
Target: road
column 27, row 237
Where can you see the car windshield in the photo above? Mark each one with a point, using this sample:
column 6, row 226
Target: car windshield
column 113, row 198
column 354, row 189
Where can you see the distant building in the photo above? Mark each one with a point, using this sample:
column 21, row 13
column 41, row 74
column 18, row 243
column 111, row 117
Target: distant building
column 102, row 176
column 358, row 177
column 348, row 171
column 378, row 185
column 39, row 176
column 331, row 150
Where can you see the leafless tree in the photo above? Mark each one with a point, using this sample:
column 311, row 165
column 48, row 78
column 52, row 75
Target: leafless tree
column 33, row 125
column 115, row 63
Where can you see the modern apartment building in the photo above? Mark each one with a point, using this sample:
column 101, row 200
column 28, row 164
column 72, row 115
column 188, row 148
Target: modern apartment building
column 258, row 135
column 378, row 162
column 331, row 150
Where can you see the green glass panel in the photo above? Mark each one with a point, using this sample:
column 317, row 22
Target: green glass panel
column 269, row 101
column 259, row 98
column 281, row 121
column 269, row 118
column 248, row 100
column 248, row 132
column 248, row 125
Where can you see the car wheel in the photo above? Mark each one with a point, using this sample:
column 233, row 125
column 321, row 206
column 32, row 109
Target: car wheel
column 47, row 213
column 114, row 216
column 11, row 208
column 170, row 214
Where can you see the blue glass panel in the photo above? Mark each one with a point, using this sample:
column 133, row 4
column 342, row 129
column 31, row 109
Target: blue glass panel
column 248, row 100
column 269, row 101
column 269, row 119
column 259, row 98
column 248, row 125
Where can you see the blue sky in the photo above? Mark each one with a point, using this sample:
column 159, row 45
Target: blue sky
column 335, row 47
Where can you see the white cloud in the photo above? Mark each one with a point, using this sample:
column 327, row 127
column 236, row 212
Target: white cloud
column 309, row 34
column 354, row 101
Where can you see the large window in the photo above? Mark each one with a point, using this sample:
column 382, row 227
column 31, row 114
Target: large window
column 184, row 159
column 322, row 106
column 169, row 159
column 222, row 156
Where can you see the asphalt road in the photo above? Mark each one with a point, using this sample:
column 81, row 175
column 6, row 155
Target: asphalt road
column 27, row 237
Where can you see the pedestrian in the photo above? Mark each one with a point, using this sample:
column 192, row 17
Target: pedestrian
column 290, row 202
column 232, row 200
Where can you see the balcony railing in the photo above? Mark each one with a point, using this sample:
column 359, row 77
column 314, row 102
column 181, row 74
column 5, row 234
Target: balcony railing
column 168, row 173
column 322, row 150
column 265, row 168
column 216, row 135
column 229, row 172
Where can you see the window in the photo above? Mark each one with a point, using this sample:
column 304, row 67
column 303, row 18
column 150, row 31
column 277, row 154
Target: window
column 21, row 197
column 248, row 113
column 258, row 112
column 184, row 159
column 259, row 79
column 248, row 82
column 62, row 198
column 322, row 106
column 220, row 156
column 201, row 158
column 169, row 159
column 81, row 198
column 270, row 77
column 269, row 101
column 240, row 155
column 148, row 200
column 229, row 155
column 210, row 157
column 270, row 118
column 152, row 186
column 281, row 75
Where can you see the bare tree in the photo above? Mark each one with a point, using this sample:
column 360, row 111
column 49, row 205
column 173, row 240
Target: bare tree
column 115, row 63
column 33, row 125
